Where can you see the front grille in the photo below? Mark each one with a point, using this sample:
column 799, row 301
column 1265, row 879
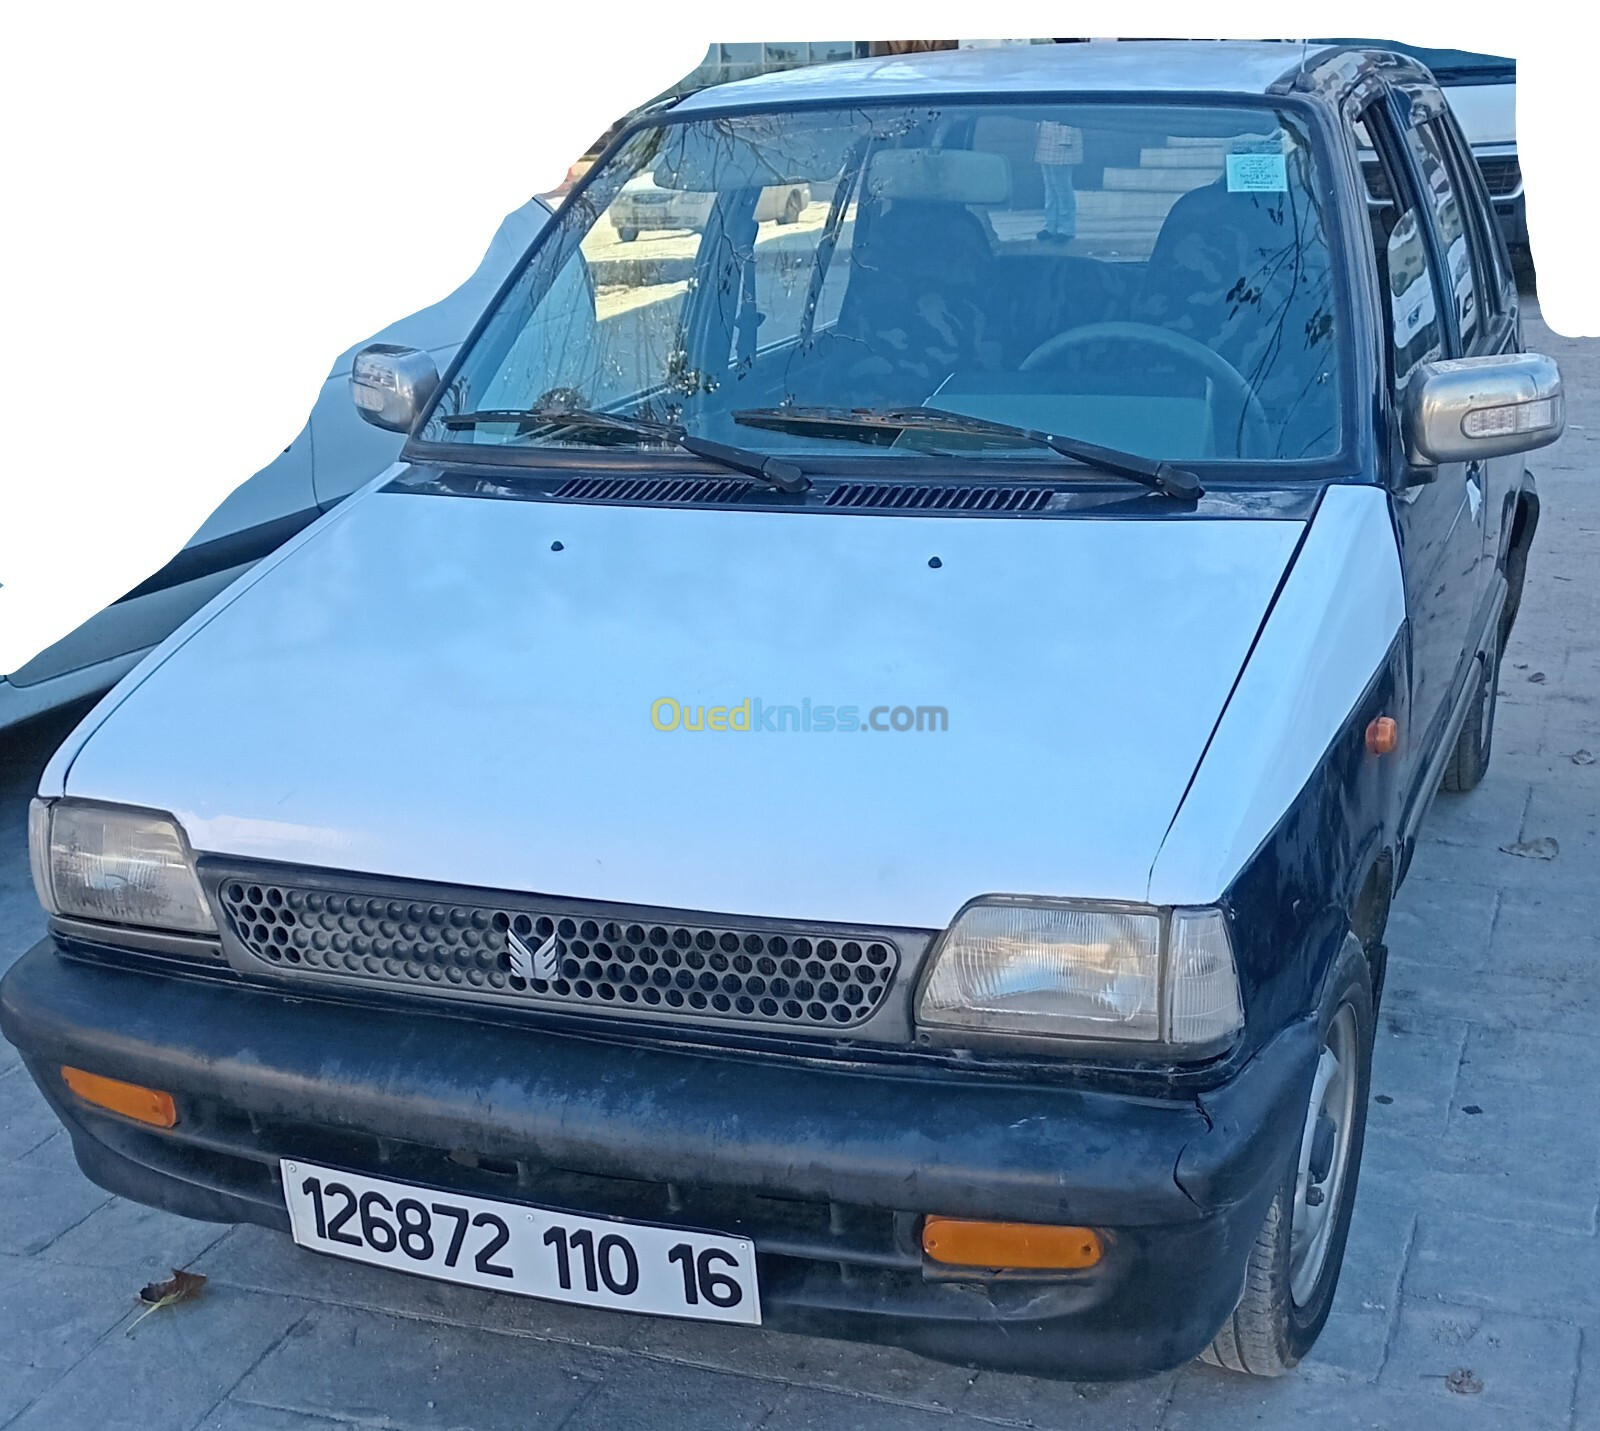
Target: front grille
column 1502, row 174
column 518, row 952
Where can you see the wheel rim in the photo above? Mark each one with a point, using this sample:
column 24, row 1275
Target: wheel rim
column 1324, row 1157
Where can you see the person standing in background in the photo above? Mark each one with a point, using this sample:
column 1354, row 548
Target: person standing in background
column 1060, row 147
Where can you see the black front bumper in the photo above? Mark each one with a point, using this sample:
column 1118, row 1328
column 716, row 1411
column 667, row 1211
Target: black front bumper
column 828, row 1167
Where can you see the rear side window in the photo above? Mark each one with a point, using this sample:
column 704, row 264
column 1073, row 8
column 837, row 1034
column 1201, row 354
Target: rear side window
column 1440, row 193
column 1494, row 269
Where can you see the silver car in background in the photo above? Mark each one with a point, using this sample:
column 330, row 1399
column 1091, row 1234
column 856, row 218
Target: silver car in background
column 334, row 454
column 643, row 204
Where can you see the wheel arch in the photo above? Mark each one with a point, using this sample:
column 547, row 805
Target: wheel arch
column 1523, row 522
column 1369, row 914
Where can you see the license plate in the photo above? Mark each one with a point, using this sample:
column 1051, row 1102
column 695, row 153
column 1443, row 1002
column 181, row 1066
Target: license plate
column 532, row 1251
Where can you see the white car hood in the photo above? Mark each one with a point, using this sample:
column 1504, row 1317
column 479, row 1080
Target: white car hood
column 426, row 689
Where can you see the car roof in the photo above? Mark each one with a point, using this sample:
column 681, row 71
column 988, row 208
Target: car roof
column 1154, row 66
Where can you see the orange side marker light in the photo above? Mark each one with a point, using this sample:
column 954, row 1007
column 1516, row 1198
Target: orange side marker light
column 132, row 1100
column 957, row 1242
column 1383, row 736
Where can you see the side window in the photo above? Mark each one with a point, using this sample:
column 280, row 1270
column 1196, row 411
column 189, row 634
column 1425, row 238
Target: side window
column 563, row 334
column 800, row 254
column 1400, row 250
column 638, row 324
column 1494, row 266
column 1423, row 143
column 836, row 275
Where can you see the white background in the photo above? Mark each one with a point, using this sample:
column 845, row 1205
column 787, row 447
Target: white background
column 205, row 204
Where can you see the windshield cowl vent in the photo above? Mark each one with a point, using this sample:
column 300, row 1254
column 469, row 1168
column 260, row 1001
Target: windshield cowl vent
column 896, row 496
column 687, row 490
column 871, row 496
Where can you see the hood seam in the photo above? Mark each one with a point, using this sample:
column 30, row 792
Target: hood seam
column 1244, row 665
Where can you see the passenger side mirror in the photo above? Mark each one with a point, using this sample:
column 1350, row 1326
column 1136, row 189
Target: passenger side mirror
column 391, row 385
column 1463, row 409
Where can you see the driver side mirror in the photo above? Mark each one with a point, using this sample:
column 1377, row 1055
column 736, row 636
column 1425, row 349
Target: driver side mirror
column 391, row 385
column 1464, row 409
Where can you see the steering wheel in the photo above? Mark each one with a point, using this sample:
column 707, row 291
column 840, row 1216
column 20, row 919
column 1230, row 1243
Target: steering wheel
column 1209, row 364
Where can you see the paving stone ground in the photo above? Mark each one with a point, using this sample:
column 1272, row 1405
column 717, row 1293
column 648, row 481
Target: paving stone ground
column 1471, row 1296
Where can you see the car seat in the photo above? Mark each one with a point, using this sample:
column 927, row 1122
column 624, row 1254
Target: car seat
column 920, row 273
column 1247, row 276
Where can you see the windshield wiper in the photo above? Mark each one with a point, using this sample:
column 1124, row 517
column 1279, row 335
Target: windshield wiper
column 866, row 423
column 785, row 476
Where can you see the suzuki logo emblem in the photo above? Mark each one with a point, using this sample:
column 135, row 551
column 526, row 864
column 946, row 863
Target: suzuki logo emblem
column 529, row 963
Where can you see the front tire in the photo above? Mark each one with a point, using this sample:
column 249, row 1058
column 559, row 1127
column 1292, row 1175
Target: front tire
column 1293, row 1269
column 627, row 233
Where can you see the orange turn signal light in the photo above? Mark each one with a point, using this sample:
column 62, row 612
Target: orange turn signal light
column 1383, row 735
column 132, row 1100
column 1036, row 1246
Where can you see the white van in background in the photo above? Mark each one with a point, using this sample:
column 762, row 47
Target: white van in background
column 1482, row 90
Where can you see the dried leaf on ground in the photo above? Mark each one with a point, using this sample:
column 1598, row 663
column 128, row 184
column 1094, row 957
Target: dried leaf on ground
column 180, row 1287
column 1463, row 1382
column 1544, row 848
column 1537, row 678
column 1583, row 757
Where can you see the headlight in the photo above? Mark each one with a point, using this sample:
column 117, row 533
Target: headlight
column 1054, row 969
column 115, row 865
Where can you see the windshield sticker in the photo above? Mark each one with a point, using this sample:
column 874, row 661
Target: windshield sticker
column 1257, row 174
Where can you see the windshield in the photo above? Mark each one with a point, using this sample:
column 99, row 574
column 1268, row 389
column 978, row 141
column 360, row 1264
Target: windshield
column 1154, row 278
